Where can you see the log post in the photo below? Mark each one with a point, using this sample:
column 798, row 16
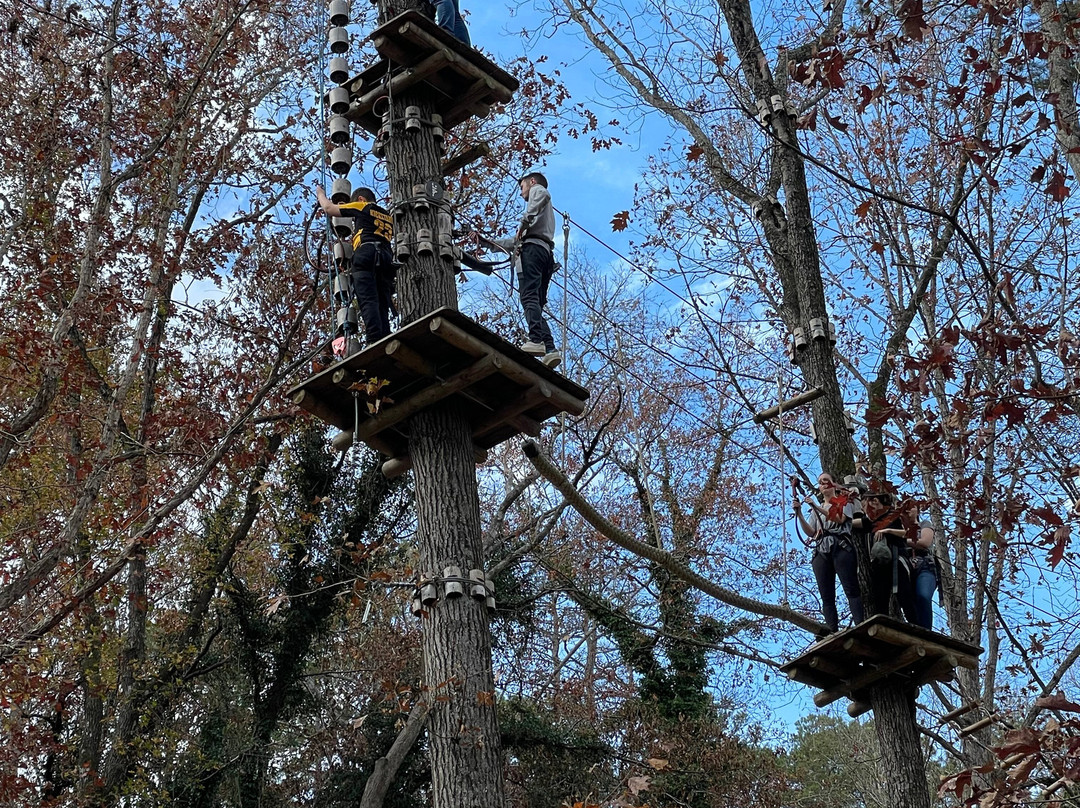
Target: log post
column 463, row 736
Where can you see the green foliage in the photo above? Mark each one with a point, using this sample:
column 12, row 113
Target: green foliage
column 347, row 781
column 549, row 760
column 833, row 763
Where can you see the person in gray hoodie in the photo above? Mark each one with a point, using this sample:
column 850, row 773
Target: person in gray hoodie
column 532, row 247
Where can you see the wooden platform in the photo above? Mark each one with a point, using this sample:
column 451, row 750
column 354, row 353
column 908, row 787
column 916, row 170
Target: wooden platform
column 420, row 56
column 442, row 355
column 845, row 664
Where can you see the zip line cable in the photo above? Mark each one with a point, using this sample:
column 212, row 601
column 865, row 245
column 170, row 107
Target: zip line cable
column 654, row 279
column 651, row 383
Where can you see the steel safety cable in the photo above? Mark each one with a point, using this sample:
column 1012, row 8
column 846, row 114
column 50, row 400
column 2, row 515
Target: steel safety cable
column 654, row 279
column 323, row 67
column 646, row 383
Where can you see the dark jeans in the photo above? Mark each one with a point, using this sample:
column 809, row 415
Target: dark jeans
column 881, row 577
column 448, row 16
column 534, row 276
column 924, row 585
column 373, row 285
column 840, row 563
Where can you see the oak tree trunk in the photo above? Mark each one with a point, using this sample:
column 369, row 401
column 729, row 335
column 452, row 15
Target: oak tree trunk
column 463, row 737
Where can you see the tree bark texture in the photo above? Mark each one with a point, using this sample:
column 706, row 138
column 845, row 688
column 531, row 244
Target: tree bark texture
column 800, row 275
column 466, row 758
column 901, row 752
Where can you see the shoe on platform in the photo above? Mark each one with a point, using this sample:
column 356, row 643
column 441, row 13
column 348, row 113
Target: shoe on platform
column 533, row 348
column 552, row 359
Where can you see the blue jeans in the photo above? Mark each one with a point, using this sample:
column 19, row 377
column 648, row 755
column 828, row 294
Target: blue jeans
column 448, row 16
column 924, row 585
column 373, row 286
column 534, row 275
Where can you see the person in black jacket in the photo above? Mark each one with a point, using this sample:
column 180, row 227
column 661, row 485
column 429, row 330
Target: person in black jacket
column 372, row 262
column 890, row 563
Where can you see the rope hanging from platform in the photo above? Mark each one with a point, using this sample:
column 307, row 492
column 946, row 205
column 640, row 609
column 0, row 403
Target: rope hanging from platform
column 563, row 485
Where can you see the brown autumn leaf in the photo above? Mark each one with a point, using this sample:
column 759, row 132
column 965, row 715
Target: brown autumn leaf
column 835, row 123
column 639, row 784
column 1057, row 701
column 1056, row 187
column 620, row 220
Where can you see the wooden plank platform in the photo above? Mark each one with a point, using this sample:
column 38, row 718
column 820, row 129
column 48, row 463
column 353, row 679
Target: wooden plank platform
column 846, row 663
column 440, row 356
column 418, row 55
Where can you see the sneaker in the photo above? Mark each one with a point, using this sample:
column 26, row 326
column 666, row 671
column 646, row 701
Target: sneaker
column 534, row 348
column 552, row 358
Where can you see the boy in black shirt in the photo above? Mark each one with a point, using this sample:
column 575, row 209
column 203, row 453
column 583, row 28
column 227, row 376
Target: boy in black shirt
column 372, row 262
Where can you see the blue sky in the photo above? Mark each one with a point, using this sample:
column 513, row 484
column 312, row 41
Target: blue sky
column 590, row 186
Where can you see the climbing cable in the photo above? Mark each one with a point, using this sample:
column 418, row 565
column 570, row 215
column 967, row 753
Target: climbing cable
column 654, row 279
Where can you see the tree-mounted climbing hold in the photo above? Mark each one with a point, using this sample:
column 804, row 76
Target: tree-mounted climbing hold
column 447, row 250
column 437, row 129
column 429, row 593
column 339, row 70
column 338, row 99
column 777, row 103
column 419, row 199
column 424, row 244
column 339, row 12
column 341, row 191
column 346, row 315
column 339, row 130
column 799, row 339
column 764, row 114
column 478, row 587
column 343, row 226
column 342, row 251
column 489, row 600
column 339, row 40
column 401, row 248
column 416, row 606
column 817, row 329
column 342, row 290
column 341, row 160
column 412, row 119
column 452, row 584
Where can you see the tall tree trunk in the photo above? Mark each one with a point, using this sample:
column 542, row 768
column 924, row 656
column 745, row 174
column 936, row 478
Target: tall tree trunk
column 463, row 736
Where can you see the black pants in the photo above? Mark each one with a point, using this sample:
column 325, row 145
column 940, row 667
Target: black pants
column 534, row 276
column 839, row 562
column 882, row 577
column 373, row 285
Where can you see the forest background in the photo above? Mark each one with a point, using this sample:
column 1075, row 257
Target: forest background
column 201, row 604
